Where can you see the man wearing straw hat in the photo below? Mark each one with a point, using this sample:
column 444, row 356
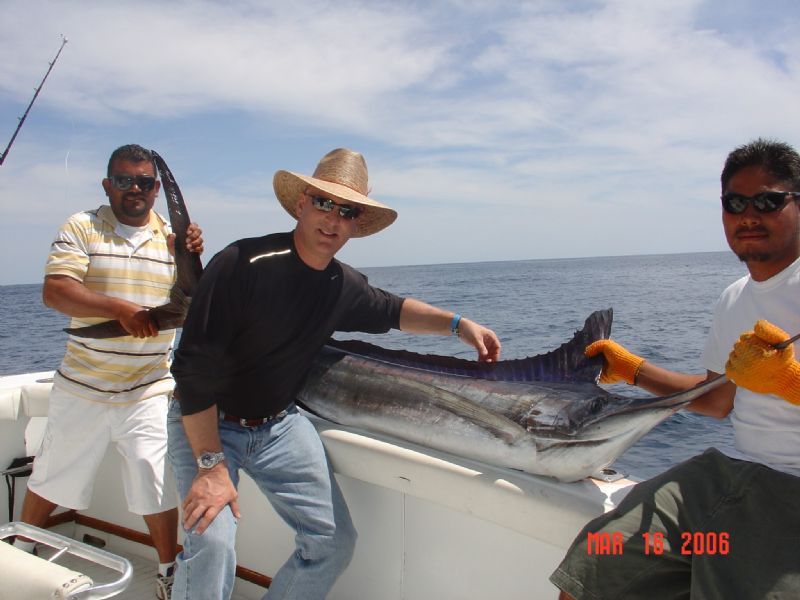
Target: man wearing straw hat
column 262, row 310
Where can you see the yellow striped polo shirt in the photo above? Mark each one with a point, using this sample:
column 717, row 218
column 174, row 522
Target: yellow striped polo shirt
column 92, row 248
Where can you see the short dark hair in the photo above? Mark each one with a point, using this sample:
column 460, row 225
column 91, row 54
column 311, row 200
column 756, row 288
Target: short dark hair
column 132, row 153
column 777, row 158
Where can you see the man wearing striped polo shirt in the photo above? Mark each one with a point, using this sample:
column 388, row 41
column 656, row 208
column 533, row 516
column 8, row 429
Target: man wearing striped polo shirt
column 111, row 263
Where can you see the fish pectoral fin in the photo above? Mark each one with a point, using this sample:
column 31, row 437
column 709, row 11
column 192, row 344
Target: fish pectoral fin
column 500, row 426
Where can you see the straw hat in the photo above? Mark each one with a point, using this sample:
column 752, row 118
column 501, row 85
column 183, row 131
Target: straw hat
column 342, row 176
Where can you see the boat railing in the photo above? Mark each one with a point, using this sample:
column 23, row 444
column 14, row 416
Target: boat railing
column 28, row 576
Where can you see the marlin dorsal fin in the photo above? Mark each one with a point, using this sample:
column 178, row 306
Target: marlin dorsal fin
column 567, row 363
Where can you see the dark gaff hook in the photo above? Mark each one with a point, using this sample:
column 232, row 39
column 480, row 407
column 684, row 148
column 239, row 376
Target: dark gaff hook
column 785, row 343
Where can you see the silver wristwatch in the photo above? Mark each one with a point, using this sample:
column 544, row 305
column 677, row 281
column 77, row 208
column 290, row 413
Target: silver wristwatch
column 208, row 460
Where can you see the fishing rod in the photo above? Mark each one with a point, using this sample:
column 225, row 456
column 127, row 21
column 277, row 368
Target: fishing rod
column 38, row 89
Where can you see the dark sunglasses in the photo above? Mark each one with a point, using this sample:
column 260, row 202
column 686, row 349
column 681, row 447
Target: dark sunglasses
column 345, row 210
column 125, row 182
column 764, row 202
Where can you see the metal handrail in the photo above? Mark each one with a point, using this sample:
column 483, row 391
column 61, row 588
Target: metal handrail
column 65, row 545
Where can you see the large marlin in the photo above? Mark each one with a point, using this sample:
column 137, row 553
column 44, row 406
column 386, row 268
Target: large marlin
column 187, row 266
column 544, row 414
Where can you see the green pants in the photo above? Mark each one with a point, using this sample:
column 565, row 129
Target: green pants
column 709, row 528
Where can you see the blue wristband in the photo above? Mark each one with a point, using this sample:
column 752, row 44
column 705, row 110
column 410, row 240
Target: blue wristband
column 454, row 324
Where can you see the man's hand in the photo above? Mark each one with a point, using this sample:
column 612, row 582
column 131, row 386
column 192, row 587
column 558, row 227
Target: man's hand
column 483, row 339
column 194, row 240
column 211, row 491
column 618, row 363
column 755, row 364
column 136, row 320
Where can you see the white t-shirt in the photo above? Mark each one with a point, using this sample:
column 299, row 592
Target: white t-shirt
column 767, row 427
column 135, row 235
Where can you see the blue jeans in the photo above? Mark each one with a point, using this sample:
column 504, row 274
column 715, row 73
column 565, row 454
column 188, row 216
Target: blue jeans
column 287, row 461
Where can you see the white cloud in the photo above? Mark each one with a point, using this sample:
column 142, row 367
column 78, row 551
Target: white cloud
column 499, row 130
column 166, row 59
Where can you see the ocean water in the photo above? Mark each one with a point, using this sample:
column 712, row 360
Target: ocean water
column 662, row 311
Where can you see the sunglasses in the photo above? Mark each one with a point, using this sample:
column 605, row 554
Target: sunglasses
column 326, row 205
column 125, row 182
column 764, row 202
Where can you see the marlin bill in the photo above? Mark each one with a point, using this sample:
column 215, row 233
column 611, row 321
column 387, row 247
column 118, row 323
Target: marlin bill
column 188, row 268
column 544, row 414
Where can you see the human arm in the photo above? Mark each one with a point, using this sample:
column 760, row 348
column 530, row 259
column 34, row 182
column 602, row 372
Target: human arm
column 621, row 365
column 756, row 364
column 198, row 367
column 419, row 317
column 212, row 489
column 68, row 265
column 69, row 296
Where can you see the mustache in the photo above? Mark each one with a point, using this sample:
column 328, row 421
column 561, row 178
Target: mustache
column 756, row 229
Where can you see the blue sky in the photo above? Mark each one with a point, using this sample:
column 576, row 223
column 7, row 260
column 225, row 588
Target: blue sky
column 497, row 130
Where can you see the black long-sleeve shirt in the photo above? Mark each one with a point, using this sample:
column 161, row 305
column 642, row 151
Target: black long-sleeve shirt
column 258, row 317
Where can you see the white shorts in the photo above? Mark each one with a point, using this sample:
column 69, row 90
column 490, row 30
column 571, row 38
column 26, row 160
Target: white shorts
column 76, row 437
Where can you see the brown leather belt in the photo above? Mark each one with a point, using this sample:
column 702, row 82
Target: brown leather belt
column 253, row 422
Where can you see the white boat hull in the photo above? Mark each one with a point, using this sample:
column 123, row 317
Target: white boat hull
column 431, row 526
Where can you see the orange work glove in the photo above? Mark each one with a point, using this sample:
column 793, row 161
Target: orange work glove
column 618, row 363
column 756, row 365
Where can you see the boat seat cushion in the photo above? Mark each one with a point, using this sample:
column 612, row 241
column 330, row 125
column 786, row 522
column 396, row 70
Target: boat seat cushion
column 36, row 399
column 28, row 576
column 9, row 404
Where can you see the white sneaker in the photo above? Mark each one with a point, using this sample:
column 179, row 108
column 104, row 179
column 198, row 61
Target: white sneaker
column 164, row 586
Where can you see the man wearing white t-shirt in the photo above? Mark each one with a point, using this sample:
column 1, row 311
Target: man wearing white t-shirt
column 721, row 526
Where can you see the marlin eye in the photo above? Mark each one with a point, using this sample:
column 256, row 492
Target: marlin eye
column 598, row 404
